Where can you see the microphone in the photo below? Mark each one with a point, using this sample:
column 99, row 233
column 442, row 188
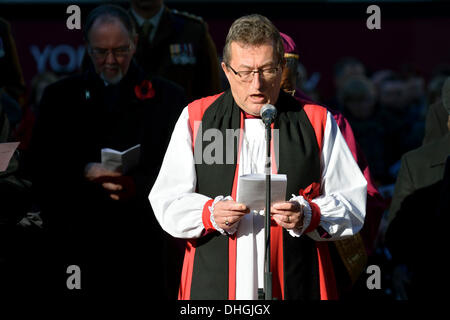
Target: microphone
column 268, row 113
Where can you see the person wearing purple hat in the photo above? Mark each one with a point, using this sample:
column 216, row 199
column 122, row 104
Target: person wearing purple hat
column 290, row 72
column 363, row 243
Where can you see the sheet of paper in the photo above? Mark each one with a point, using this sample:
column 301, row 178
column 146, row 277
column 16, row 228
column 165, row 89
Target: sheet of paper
column 122, row 161
column 6, row 152
column 252, row 190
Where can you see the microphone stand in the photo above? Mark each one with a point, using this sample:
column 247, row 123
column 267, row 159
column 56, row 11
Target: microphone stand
column 268, row 169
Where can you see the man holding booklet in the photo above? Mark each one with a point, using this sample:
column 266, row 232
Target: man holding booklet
column 198, row 200
column 98, row 216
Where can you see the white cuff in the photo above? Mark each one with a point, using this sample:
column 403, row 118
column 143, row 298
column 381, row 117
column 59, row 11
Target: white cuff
column 297, row 232
column 211, row 217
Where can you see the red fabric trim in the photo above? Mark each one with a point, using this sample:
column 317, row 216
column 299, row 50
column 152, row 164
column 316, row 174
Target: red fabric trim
column 276, row 261
column 310, row 192
column 315, row 217
column 206, row 217
column 250, row 116
column 232, row 253
column 196, row 109
column 184, row 291
column 328, row 288
column 317, row 115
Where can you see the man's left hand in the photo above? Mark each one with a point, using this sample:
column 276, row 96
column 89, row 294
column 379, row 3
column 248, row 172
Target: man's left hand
column 120, row 188
column 288, row 214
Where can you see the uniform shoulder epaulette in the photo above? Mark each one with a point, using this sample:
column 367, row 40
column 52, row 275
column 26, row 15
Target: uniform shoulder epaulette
column 188, row 15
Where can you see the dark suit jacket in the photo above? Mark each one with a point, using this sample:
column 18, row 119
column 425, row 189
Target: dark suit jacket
column 444, row 199
column 436, row 122
column 182, row 51
column 416, row 235
column 420, row 169
column 115, row 243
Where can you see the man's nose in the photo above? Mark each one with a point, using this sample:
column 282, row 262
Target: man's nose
column 257, row 81
column 110, row 58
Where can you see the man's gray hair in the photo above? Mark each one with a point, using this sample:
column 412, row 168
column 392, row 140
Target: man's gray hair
column 253, row 30
column 107, row 13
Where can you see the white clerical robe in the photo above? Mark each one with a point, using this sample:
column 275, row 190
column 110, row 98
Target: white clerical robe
column 178, row 208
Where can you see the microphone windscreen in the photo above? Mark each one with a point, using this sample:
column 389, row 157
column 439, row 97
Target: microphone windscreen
column 268, row 114
column 267, row 110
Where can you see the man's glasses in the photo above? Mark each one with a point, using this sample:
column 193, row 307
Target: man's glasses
column 119, row 52
column 248, row 75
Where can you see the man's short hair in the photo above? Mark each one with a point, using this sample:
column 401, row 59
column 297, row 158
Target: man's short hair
column 253, row 30
column 108, row 13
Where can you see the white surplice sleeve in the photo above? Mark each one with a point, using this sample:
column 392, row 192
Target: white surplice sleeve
column 342, row 201
column 177, row 207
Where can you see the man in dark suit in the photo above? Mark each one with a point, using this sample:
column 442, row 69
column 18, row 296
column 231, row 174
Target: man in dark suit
column 177, row 46
column 416, row 231
column 436, row 122
column 14, row 203
column 98, row 219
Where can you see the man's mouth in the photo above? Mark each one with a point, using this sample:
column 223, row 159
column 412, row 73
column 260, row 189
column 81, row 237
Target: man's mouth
column 113, row 69
column 257, row 98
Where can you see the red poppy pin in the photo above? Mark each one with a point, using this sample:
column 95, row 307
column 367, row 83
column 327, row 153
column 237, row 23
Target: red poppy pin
column 144, row 90
column 311, row 191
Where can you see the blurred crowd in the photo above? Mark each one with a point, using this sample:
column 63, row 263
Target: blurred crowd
column 389, row 110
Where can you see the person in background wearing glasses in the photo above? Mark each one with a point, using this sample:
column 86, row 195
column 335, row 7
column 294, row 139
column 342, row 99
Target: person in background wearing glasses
column 102, row 217
column 195, row 198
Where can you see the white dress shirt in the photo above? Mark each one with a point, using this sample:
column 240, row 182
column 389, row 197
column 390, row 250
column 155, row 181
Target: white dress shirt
column 154, row 21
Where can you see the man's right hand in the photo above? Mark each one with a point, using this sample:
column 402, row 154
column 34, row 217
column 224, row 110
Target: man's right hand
column 95, row 170
column 228, row 212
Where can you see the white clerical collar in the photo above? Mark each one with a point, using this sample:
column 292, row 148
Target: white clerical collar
column 153, row 20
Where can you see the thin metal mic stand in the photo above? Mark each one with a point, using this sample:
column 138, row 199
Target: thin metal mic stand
column 268, row 168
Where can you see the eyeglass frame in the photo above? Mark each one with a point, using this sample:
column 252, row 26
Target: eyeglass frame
column 252, row 72
column 113, row 51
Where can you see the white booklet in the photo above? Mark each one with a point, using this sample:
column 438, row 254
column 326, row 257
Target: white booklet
column 121, row 161
column 6, row 152
column 252, row 190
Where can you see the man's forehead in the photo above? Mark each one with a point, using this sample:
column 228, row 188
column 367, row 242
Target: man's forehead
column 245, row 54
column 240, row 45
column 108, row 25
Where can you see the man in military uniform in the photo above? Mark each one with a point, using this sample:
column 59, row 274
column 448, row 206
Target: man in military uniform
column 100, row 219
column 177, row 46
